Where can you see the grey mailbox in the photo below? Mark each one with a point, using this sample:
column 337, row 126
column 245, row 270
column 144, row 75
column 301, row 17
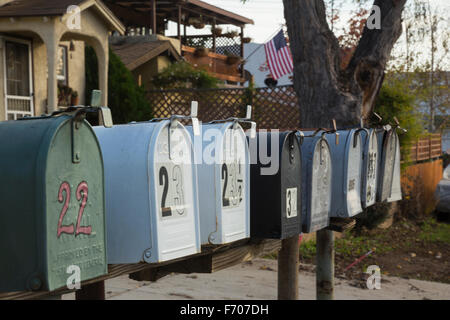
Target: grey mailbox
column 369, row 176
column 347, row 161
column 387, row 149
column 396, row 189
column 316, row 181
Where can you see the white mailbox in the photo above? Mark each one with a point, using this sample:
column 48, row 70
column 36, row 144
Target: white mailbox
column 387, row 147
column 347, row 162
column 396, row 189
column 316, row 181
column 151, row 191
column 369, row 167
column 223, row 167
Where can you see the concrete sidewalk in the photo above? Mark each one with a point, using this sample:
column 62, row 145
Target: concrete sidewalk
column 258, row 280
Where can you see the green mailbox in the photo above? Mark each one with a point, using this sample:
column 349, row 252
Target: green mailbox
column 52, row 202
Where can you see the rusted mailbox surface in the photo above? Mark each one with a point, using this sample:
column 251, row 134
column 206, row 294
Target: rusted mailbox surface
column 347, row 161
column 151, row 192
column 369, row 177
column 223, row 166
column 53, row 203
column 276, row 198
column 316, row 181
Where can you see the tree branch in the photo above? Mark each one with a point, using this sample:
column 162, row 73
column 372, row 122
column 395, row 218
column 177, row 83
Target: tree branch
column 373, row 52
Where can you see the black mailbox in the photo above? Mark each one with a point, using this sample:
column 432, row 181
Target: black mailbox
column 275, row 193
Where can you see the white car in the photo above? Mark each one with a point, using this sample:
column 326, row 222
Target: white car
column 443, row 192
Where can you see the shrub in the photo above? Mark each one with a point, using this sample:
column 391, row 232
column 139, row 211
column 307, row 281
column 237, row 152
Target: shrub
column 126, row 99
column 395, row 100
column 182, row 75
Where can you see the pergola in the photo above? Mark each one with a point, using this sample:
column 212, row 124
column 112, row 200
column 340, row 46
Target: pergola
column 153, row 14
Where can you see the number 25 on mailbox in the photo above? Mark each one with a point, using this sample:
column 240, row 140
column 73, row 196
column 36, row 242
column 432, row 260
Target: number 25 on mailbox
column 53, row 202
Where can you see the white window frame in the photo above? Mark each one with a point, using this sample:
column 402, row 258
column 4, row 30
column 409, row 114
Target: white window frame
column 30, row 72
column 66, row 66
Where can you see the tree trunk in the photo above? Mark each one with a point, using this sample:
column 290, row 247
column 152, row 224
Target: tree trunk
column 326, row 92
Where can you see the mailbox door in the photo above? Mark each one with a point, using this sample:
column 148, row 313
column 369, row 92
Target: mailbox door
column 396, row 190
column 352, row 174
column 75, row 204
column 291, row 171
column 233, row 175
column 387, row 165
column 174, row 194
column 370, row 169
column 316, row 184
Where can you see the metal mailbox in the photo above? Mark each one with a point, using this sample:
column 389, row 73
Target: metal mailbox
column 396, row 189
column 151, row 191
column 387, row 149
column 369, row 167
column 276, row 198
column 316, row 181
column 52, row 195
column 347, row 162
column 223, row 167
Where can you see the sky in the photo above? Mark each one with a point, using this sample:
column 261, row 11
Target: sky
column 269, row 16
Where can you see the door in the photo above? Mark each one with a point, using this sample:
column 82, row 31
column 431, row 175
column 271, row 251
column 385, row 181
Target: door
column 18, row 84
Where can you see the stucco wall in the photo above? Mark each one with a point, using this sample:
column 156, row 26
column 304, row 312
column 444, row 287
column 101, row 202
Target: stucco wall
column 76, row 68
column 151, row 68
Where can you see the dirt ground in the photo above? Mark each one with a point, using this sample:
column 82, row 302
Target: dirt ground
column 258, row 280
column 411, row 250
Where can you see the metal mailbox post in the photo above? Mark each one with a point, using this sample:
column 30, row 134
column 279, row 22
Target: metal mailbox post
column 387, row 149
column 223, row 167
column 276, row 199
column 347, row 162
column 316, row 181
column 151, row 191
column 53, row 202
column 369, row 167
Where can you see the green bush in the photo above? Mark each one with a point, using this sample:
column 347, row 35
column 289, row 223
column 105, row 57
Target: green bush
column 395, row 100
column 182, row 75
column 126, row 99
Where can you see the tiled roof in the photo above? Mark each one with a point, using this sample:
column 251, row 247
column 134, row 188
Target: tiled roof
column 27, row 8
column 137, row 53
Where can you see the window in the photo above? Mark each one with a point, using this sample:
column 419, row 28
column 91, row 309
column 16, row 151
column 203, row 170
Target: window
column 62, row 65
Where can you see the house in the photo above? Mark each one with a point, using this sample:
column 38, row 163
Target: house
column 151, row 17
column 42, row 47
column 145, row 56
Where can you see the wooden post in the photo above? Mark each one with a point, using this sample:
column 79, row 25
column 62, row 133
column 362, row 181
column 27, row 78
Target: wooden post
column 153, row 3
column 288, row 263
column 325, row 265
column 242, row 42
column 94, row 291
column 214, row 36
column 179, row 23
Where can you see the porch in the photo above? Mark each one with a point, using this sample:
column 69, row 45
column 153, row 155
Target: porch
column 42, row 47
column 219, row 50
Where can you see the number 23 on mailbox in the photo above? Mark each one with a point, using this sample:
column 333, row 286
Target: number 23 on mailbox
column 151, row 190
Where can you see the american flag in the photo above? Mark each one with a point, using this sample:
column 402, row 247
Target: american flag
column 279, row 57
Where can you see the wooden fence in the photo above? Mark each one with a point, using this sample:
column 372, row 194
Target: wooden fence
column 272, row 108
column 427, row 148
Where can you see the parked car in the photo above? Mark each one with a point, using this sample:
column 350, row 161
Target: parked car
column 443, row 192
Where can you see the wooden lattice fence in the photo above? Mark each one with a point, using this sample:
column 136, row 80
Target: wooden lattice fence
column 272, row 107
